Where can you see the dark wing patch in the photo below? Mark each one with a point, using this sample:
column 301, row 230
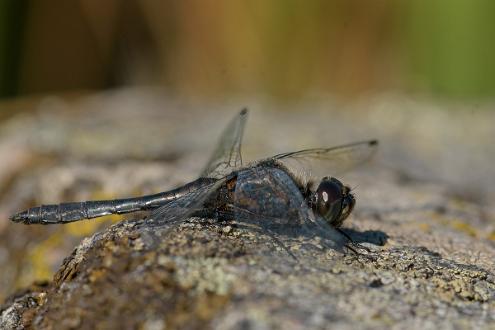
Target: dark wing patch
column 183, row 207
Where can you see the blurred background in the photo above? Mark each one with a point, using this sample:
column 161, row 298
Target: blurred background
column 284, row 49
column 107, row 99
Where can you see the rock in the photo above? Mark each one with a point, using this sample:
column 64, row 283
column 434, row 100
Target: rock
column 201, row 274
column 431, row 265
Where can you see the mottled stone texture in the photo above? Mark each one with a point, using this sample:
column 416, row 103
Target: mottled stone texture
column 431, row 263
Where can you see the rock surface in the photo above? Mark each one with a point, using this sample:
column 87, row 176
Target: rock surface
column 431, row 265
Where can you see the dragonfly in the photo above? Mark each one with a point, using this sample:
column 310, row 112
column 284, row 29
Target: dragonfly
column 277, row 195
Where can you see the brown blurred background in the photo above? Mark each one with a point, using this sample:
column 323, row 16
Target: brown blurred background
column 284, row 48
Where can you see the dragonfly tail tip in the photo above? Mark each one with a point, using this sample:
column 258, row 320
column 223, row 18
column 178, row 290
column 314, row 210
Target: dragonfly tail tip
column 18, row 217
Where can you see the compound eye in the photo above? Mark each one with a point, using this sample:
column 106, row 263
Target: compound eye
column 347, row 206
column 329, row 199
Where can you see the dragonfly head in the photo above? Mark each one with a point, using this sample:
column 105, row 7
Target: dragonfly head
column 333, row 201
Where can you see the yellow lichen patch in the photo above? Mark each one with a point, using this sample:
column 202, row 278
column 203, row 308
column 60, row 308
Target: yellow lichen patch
column 81, row 228
column 455, row 223
column 113, row 218
column 464, row 227
column 88, row 227
column 39, row 256
column 209, row 304
column 436, row 216
column 424, row 227
column 96, row 274
column 491, row 236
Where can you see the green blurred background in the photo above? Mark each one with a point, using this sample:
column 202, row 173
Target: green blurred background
column 281, row 48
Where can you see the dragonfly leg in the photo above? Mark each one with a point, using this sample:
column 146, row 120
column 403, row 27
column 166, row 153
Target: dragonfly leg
column 352, row 242
column 353, row 247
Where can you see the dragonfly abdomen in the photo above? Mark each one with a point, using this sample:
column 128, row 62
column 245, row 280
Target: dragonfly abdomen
column 48, row 214
column 69, row 212
column 74, row 211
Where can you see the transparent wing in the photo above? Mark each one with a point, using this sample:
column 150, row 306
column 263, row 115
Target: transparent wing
column 308, row 227
column 227, row 154
column 183, row 207
column 319, row 162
